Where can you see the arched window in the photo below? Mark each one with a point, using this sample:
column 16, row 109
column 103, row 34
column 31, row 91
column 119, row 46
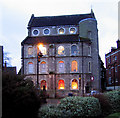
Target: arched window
column 74, row 84
column 61, row 50
column 61, row 67
column 30, row 51
column 73, row 50
column 61, row 84
column 43, row 67
column 43, row 84
column 30, row 67
column 74, row 66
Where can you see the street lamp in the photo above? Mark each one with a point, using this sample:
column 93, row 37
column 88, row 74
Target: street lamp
column 39, row 55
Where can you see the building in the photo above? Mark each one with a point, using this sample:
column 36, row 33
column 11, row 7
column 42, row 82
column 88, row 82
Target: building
column 70, row 61
column 113, row 68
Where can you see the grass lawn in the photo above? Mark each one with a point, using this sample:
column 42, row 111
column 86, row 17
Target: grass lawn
column 115, row 115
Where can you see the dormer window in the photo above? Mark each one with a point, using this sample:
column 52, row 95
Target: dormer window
column 72, row 30
column 46, row 31
column 61, row 30
column 35, row 32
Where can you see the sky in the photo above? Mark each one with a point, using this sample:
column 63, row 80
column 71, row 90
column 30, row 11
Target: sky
column 15, row 15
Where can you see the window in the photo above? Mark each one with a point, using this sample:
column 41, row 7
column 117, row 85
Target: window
column 61, row 50
column 44, row 50
column 115, row 57
column 61, row 84
column 109, row 80
column 73, row 50
column 116, row 68
column 43, row 67
column 109, row 70
column 74, row 84
column 89, row 67
column 61, row 30
column 46, row 31
column 61, row 67
column 74, row 67
column 43, row 84
column 30, row 51
column 89, row 34
column 35, row 32
column 89, row 50
column 30, row 67
column 72, row 30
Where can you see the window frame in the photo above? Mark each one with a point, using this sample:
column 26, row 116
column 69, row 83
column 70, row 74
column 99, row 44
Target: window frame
column 64, row 84
column 77, row 84
column 59, row 49
column 74, row 28
column 44, row 31
column 76, row 67
column 43, row 70
column 28, row 70
column 63, row 68
column 76, row 50
column 59, row 30
column 35, row 34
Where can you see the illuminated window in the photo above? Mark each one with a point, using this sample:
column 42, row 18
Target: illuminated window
column 30, row 51
column 43, row 67
column 72, row 30
column 43, row 84
column 61, row 84
column 61, row 67
column 74, row 84
column 30, row 67
column 61, row 50
column 73, row 50
column 43, row 50
column 61, row 30
column 74, row 66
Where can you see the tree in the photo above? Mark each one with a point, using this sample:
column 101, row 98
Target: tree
column 19, row 97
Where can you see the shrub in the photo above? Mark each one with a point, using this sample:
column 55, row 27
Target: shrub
column 19, row 97
column 80, row 106
column 114, row 100
column 105, row 105
column 49, row 111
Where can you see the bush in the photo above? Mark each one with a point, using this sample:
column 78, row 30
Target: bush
column 114, row 100
column 80, row 106
column 104, row 102
column 115, row 115
column 19, row 97
column 49, row 111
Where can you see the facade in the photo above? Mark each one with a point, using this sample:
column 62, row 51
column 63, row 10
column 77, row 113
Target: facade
column 113, row 68
column 70, row 61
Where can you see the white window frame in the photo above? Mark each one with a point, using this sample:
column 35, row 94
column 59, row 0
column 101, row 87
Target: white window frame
column 44, row 30
column 35, row 34
column 43, row 70
column 63, row 68
column 61, row 28
column 29, row 71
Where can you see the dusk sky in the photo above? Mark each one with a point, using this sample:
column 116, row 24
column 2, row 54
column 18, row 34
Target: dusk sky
column 15, row 15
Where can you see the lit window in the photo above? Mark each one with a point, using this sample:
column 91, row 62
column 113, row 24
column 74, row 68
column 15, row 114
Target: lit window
column 43, row 50
column 61, row 84
column 74, row 84
column 43, row 66
column 72, row 30
column 73, row 50
column 61, row 30
column 30, row 67
column 61, row 67
column 61, row 50
column 30, row 50
column 109, row 80
column 74, row 67
column 43, row 84
column 46, row 31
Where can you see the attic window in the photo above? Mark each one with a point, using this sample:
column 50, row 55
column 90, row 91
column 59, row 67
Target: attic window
column 61, row 30
column 72, row 30
column 46, row 31
column 35, row 32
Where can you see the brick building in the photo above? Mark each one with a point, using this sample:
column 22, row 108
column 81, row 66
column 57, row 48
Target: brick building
column 70, row 61
column 113, row 68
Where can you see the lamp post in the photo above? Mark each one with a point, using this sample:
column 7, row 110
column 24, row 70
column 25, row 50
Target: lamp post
column 39, row 55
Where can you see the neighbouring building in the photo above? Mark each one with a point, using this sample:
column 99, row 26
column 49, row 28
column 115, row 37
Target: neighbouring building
column 70, row 61
column 113, row 68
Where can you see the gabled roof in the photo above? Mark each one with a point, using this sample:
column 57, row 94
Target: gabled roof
column 58, row 20
column 51, row 39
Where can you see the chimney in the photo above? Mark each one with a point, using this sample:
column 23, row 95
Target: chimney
column 118, row 43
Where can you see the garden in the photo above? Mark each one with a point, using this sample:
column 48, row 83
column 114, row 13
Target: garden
column 21, row 100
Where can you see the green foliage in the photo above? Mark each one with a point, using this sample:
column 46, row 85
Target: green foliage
column 115, row 115
column 70, row 107
column 114, row 100
column 49, row 111
column 19, row 97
